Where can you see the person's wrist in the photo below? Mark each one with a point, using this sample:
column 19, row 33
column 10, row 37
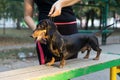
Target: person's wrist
column 34, row 28
column 60, row 3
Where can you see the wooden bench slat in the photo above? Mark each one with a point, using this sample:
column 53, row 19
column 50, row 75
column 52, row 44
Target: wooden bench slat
column 73, row 68
column 22, row 71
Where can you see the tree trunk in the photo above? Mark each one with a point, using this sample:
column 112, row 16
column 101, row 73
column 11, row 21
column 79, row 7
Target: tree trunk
column 18, row 24
column 4, row 30
column 87, row 19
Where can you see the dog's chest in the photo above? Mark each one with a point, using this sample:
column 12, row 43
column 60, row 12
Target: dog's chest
column 56, row 45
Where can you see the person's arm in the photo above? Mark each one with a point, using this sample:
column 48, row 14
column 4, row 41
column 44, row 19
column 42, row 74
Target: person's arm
column 65, row 3
column 58, row 5
column 28, row 13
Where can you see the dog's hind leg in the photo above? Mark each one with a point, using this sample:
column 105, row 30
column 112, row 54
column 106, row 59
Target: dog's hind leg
column 98, row 54
column 88, row 52
column 51, row 62
column 98, row 50
column 95, row 46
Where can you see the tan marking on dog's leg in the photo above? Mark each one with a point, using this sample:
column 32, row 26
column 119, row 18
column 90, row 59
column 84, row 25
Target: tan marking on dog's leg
column 83, row 49
column 88, row 53
column 51, row 62
column 98, row 55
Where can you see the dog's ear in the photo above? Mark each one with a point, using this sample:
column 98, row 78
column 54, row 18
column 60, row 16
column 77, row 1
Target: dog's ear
column 38, row 26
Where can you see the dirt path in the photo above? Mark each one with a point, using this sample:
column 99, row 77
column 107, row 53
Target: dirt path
column 9, row 47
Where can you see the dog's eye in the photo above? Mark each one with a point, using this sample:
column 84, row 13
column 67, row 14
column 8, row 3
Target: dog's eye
column 42, row 26
column 39, row 27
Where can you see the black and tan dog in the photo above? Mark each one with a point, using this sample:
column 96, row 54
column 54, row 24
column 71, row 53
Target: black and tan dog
column 65, row 46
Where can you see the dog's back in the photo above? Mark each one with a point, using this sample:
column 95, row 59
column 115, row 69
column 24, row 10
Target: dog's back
column 75, row 42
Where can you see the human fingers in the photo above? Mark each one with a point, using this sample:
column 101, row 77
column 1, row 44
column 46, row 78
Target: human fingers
column 51, row 10
column 55, row 10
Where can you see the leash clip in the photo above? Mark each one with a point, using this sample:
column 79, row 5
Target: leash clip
column 52, row 19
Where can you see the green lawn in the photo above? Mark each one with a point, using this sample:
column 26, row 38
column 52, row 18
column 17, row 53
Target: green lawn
column 13, row 54
column 14, row 36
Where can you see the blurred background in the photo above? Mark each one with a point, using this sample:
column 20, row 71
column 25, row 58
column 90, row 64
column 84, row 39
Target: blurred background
column 17, row 48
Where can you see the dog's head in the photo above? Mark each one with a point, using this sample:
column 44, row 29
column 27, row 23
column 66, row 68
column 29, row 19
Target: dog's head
column 43, row 28
column 39, row 34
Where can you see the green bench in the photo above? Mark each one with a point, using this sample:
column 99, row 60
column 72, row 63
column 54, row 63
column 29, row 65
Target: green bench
column 93, row 31
column 73, row 68
column 104, row 33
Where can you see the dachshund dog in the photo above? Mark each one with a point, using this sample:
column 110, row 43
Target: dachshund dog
column 65, row 46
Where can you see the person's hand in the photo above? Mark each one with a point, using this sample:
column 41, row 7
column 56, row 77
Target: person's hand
column 55, row 9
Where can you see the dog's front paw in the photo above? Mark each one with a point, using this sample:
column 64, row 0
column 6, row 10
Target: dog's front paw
column 49, row 64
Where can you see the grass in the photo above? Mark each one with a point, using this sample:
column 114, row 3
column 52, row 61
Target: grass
column 116, row 32
column 14, row 36
column 13, row 54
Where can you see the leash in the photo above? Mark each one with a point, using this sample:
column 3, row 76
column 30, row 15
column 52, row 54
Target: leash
column 40, row 50
column 62, row 23
column 65, row 23
column 51, row 18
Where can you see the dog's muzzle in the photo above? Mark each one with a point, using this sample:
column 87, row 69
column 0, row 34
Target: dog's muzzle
column 38, row 34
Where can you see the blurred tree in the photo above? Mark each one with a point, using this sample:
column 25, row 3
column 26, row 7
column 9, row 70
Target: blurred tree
column 15, row 10
column 4, row 4
column 90, row 14
column 97, row 6
column 11, row 9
